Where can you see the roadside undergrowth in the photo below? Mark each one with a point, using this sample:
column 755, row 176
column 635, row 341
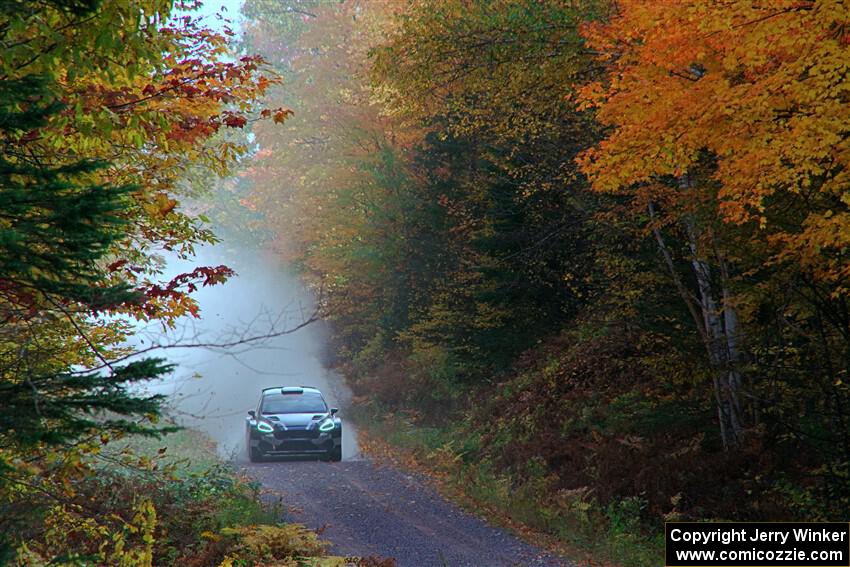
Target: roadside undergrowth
column 167, row 501
column 570, row 523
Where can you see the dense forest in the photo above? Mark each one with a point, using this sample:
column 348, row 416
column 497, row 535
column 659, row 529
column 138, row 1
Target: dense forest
column 591, row 257
column 606, row 241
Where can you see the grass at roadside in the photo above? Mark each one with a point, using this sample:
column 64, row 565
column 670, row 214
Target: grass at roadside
column 189, row 451
column 568, row 522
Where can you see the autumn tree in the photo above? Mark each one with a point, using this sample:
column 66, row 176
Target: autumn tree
column 728, row 130
column 56, row 228
column 90, row 166
column 485, row 82
column 104, row 109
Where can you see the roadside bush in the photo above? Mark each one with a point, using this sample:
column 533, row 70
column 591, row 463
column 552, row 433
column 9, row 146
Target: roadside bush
column 600, row 411
column 133, row 506
column 424, row 381
column 125, row 516
column 264, row 544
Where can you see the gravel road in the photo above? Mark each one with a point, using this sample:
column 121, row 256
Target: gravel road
column 366, row 509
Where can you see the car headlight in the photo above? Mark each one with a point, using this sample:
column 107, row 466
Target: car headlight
column 327, row 425
column 264, row 427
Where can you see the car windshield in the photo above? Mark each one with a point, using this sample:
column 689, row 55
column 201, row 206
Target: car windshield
column 308, row 402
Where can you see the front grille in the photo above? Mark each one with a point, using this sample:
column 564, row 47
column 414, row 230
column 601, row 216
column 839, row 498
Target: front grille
column 298, row 445
column 296, row 434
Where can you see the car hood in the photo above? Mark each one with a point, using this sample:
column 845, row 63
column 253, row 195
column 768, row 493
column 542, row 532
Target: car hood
column 295, row 419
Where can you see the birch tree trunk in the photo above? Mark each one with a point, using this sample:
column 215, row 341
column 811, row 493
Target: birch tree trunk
column 720, row 322
column 717, row 324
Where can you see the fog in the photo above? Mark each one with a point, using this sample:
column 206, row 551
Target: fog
column 212, row 388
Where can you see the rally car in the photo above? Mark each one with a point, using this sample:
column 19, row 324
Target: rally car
column 293, row 421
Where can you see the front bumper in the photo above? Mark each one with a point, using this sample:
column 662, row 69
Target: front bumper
column 294, row 442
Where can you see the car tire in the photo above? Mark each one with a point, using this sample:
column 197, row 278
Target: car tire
column 335, row 454
column 255, row 455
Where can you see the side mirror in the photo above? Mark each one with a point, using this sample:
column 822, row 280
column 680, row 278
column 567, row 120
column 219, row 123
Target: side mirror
column 252, row 413
column 334, row 410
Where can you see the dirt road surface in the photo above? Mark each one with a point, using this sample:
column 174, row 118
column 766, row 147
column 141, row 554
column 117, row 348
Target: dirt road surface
column 366, row 509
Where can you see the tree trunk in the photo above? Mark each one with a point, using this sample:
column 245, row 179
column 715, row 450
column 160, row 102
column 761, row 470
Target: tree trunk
column 717, row 324
column 721, row 340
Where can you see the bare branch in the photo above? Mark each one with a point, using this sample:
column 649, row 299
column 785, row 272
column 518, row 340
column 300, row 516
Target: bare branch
column 226, row 344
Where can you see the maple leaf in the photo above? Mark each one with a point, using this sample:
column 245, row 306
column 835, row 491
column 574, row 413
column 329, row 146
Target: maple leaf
column 281, row 114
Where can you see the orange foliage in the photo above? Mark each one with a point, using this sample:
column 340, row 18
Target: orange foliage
column 761, row 86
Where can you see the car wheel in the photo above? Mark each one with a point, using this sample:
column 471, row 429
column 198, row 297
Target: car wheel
column 336, row 453
column 255, row 455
